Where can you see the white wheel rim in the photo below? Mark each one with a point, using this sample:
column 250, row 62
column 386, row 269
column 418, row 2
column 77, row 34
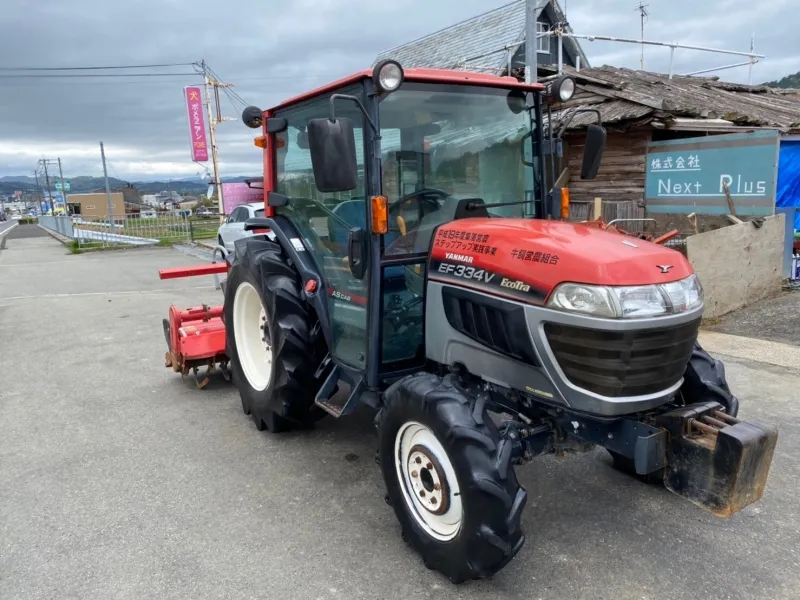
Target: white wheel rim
column 428, row 481
column 253, row 343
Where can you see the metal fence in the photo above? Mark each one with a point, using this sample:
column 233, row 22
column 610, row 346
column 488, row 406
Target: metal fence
column 61, row 225
column 132, row 230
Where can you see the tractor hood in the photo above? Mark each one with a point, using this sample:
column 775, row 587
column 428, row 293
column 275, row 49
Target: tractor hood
column 542, row 254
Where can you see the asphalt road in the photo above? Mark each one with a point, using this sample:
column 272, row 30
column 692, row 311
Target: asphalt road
column 5, row 226
column 119, row 480
column 776, row 319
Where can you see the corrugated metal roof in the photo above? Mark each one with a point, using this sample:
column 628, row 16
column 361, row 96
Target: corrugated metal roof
column 478, row 36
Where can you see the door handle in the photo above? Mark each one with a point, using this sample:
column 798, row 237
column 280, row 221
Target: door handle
column 356, row 252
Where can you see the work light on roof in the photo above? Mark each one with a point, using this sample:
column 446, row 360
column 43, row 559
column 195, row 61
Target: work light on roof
column 387, row 76
column 562, row 89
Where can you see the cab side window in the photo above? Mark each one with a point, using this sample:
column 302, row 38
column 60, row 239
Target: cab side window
column 324, row 221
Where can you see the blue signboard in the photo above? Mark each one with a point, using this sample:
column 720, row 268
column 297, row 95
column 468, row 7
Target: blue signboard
column 690, row 175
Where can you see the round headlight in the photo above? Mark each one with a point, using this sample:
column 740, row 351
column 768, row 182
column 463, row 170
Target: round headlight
column 387, row 75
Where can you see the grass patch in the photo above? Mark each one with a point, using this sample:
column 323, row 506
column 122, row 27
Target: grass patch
column 75, row 247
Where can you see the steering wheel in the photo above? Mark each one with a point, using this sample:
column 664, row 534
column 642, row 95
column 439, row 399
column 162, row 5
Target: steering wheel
column 430, row 195
column 429, row 202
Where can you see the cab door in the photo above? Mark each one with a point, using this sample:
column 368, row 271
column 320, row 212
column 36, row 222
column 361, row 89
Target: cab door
column 324, row 222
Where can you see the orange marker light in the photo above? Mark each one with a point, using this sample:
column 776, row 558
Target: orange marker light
column 380, row 215
column 564, row 203
column 260, row 142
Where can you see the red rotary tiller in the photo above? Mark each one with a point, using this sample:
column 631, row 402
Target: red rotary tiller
column 196, row 336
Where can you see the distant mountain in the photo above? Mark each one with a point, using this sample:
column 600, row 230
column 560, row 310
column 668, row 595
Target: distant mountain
column 18, row 178
column 83, row 184
column 790, row 81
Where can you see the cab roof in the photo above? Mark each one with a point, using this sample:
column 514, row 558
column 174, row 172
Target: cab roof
column 422, row 76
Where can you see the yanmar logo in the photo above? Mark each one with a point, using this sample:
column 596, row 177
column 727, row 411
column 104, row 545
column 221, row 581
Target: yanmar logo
column 515, row 285
column 459, row 257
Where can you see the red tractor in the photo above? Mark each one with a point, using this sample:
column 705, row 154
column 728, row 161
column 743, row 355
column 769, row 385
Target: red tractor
column 413, row 257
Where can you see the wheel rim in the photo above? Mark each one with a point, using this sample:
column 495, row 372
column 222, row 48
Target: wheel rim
column 253, row 342
column 428, row 481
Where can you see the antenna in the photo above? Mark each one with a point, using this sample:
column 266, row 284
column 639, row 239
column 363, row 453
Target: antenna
column 643, row 14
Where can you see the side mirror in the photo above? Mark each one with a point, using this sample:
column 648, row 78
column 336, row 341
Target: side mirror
column 252, row 117
column 333, row 154
column 302, row 140
column 593, row 151
column 516, row 101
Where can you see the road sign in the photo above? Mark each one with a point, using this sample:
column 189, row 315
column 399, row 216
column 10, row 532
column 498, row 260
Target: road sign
column 66, row 185
column 690, row 175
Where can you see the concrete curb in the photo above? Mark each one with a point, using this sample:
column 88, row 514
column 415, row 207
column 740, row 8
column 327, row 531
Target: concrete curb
column 61, row 238
column 772, row 353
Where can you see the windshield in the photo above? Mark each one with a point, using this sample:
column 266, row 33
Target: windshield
column 444, row 143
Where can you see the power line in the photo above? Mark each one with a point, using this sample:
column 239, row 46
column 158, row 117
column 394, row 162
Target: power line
column 75, row 75
column 41, row 82
column 94, row 68
column 234, row 97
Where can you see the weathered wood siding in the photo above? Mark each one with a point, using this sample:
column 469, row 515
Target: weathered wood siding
column 622, row 170
column 619, row 182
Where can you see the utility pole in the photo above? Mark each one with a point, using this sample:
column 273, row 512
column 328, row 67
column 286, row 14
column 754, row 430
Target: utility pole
column 47, row 183
column 63, row 187
column 39, row 185
column 531, row 41
column 213, row 121
column 108, row 190
column 643, row 14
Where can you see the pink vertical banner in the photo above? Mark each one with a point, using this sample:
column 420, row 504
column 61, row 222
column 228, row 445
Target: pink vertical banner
column 197, row 124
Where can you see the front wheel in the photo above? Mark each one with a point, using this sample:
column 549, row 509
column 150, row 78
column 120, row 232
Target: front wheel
column 449, row 478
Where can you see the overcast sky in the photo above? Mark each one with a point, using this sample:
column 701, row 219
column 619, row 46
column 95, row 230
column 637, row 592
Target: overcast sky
column 271, row 54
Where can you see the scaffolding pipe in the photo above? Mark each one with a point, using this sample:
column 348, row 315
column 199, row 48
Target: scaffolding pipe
column 671, row 57
column 733, row 66
column 607, row 38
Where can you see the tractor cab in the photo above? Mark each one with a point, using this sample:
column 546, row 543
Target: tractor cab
column 368, row 168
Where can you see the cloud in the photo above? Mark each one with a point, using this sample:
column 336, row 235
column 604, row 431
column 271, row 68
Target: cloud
column 271, row 54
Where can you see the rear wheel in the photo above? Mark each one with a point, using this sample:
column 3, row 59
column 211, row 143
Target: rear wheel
column 268, row 327
column 449, row 478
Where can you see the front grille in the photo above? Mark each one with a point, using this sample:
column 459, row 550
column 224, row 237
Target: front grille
column 622, row 363
column 495, row 323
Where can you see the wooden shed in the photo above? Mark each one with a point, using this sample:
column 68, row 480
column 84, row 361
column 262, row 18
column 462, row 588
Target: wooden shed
column 638, row 107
